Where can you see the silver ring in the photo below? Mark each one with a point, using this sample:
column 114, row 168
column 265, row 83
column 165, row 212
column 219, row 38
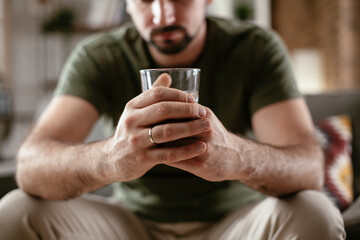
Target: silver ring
column 151, row 137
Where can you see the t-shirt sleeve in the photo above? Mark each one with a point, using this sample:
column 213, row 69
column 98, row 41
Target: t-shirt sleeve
column 83, row 77
column 272, row 78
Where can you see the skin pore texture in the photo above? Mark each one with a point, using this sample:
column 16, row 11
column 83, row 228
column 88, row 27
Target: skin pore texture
column 54, row 163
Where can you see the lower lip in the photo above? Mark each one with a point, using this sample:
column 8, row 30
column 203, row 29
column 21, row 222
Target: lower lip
column 167, row 36
column 173, row 35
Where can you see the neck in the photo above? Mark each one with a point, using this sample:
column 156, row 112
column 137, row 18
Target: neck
column 185, row 58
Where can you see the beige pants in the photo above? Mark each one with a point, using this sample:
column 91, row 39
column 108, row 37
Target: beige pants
column 307, row 215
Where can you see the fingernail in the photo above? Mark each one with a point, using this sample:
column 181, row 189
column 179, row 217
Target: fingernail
column 205, row 124
column 201, row 147
column 190, row 99
column 201, row 112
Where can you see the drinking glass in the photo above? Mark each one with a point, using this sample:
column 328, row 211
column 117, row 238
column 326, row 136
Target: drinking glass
column 185, row 79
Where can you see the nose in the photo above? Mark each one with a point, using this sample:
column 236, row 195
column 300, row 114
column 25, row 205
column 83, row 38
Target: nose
column 163, row 12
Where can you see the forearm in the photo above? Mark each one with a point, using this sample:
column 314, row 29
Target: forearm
column 56, row 170
column 279, row 170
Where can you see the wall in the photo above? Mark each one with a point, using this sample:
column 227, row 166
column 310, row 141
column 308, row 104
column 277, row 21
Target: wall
column 31, row 50
column 4, row 43
column 225, row 8
column 222, row 8
column 330, row 27
column 35, row 58
column 340, row 41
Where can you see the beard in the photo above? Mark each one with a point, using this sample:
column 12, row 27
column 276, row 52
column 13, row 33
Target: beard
column 171, row 47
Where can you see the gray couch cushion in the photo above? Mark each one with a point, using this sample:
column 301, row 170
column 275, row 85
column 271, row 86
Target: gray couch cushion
column 352, row 220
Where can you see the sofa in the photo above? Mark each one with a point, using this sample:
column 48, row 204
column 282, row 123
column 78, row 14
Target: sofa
column 321, row 106
column 345, row 102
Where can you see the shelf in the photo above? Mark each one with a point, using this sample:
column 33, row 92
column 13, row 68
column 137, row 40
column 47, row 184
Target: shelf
column 80, row 28
column 86, row 29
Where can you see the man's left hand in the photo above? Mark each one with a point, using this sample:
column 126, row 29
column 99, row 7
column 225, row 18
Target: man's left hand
column 220, row 160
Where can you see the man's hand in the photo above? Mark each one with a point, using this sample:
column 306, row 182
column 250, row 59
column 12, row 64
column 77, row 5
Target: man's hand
column 220, row 161
column 130, row 151
column 287, row 160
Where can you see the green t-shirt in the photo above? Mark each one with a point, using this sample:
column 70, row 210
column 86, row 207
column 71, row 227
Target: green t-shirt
column 243, row 68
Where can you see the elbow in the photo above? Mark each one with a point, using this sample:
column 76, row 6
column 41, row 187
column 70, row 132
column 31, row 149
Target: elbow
column 24, row 181
column 319, row 181
column 24, row 184
column 35, row 180
column 21, row 173
column 41, row 191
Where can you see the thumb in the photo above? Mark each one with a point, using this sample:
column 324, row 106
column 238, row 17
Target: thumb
column 164, row 80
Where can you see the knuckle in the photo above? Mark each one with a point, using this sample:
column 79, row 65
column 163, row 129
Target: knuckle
column 129, row 122
column 162, row 157
column 208, row 110
column 129, row 104
column 158, row 93
column 163, row 108
column 134, row 140
column 191, row 152
column 166, row 156
column 194, row 127
column 141, row 157
column 182, row 131
column 167, row 132
column 188, row 109
column 188, row 153
column 191, row 110
column 171, row 156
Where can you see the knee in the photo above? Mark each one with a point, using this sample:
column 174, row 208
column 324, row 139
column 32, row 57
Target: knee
column 15, row 210
column 315, row 207
column 15, row 205
column 17, row 199
column 312, row 215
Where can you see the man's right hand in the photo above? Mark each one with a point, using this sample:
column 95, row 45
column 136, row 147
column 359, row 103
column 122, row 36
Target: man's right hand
column 130, row 151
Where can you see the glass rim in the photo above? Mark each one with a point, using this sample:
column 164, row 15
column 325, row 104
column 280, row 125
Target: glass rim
column 170, row 69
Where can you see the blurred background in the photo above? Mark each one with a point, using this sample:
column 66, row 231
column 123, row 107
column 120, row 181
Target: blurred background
column 36, row 37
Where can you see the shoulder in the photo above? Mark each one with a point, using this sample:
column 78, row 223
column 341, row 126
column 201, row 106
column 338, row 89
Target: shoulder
column 245, row 30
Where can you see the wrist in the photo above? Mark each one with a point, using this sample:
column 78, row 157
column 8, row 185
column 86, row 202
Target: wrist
column 100, row 161
column 243, row 151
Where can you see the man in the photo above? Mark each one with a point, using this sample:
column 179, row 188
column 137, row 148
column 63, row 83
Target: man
column 212, row 188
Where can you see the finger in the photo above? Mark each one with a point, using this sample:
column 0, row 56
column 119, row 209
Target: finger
column 171, row 155
column 173, row 131
column 164, row 80
column 162, row 111
column 142, row 137
column 159, row 94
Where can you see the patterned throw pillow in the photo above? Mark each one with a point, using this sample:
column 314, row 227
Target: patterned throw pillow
column 335, row 136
